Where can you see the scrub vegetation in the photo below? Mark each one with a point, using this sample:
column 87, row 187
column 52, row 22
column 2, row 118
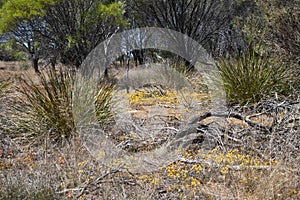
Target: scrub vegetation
column 155, row 131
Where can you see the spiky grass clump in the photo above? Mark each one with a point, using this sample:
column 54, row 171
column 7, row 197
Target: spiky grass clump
column 250, row 77
column 47, row 105
column 103, row 102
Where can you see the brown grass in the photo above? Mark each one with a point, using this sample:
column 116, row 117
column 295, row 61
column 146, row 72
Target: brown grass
column 256, row 165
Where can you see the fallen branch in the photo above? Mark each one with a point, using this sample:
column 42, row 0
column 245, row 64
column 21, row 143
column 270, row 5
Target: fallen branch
column 68, row 190
column 230, row 115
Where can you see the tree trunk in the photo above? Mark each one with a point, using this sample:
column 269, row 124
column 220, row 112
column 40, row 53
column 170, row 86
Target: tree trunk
column 106, row 72
column 35, row 63
column 138, row 56
column 53, row 63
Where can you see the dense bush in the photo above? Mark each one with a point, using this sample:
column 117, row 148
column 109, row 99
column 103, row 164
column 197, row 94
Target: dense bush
column 7, row 53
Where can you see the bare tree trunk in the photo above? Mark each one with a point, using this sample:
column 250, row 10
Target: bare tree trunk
column 35, row 63
column 53, row 62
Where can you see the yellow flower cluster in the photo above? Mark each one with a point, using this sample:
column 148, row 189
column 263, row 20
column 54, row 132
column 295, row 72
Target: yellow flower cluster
column 143, row 98
column 193, row 182
column 186, row 174
column 153, row 179
column 223, row 162
column 81, row 164
column 235, row 158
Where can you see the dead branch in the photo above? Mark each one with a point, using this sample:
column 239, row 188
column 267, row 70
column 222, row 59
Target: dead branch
column 231, row 115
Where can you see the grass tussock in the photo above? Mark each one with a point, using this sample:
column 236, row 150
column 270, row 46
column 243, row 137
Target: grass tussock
column 48, row 104
column 44, row 106
column 252, row 76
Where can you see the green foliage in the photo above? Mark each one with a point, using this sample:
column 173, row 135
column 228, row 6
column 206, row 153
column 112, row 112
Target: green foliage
column 48, row 104
column 248, row 78
column 88, row 22
column 35, row 25
column 274, row 23
column 287, row 27
column 21, row 20
column 9, row 52
column 113, row 10
column 15, row 11
column 5, row 53
column 19, row 56
column 109, row 13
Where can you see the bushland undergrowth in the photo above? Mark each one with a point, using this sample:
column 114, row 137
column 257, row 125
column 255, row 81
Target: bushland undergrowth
column 245, row 162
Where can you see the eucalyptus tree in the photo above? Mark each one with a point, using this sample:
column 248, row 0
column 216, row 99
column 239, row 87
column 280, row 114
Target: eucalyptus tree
column 22, row 21
column 78, row 26
column 69, row 29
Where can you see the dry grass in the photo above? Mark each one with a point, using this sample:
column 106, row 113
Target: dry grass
column 245, row 163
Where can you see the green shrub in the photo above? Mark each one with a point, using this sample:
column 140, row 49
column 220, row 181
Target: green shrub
column 248, row 78
column 8, row 52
